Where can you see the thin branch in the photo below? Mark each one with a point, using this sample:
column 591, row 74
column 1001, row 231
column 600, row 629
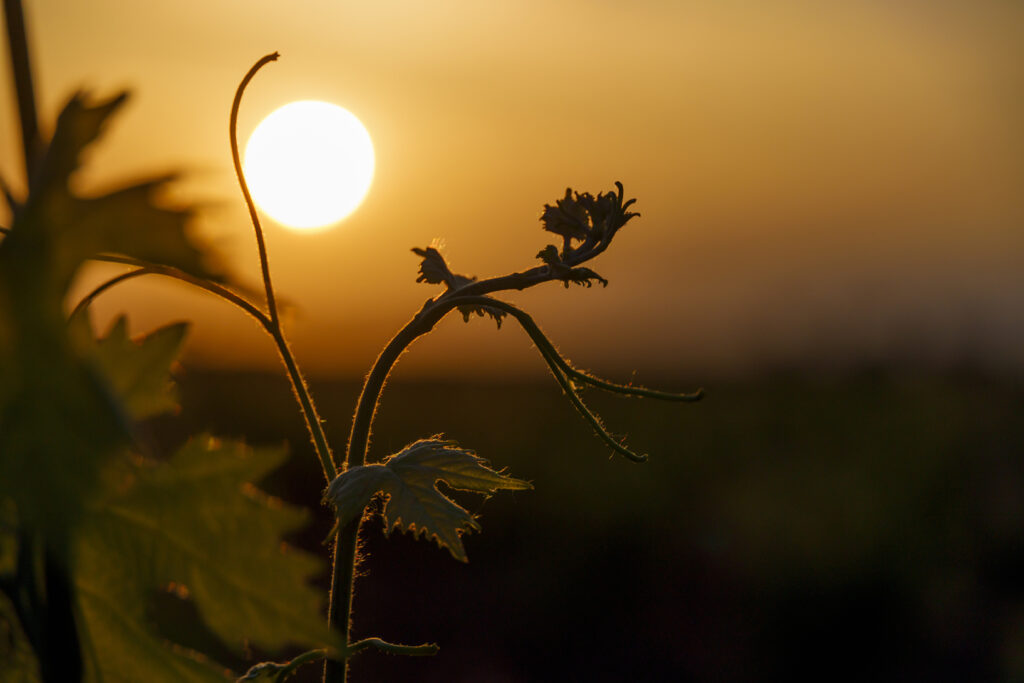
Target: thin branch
column 233, row 132
column 559, row 367
column 313, row 422
column 545, row 345
column 169, row 271
column 425, row 650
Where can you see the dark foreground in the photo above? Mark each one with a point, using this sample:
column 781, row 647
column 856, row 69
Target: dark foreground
column 864, row 528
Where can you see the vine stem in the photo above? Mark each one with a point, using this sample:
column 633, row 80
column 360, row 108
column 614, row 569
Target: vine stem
column 313, row 422
column 346, row 546
column 17, row 43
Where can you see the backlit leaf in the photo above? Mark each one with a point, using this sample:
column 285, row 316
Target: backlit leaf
column 137, row 371
column 59, row 421
column 409, row 480
column 194, row 523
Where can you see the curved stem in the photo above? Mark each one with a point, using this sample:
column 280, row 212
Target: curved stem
column 304, row 658
column 313, row 422
column 425, row 650
column 560, row 368
column 253, row 216
column 345, row 549
column 168, row 271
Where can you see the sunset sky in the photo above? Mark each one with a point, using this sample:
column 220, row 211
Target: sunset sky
column 820, row 183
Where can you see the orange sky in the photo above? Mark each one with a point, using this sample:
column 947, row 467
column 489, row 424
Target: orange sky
column 826, row 181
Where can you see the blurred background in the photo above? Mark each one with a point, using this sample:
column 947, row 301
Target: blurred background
column 831, row 244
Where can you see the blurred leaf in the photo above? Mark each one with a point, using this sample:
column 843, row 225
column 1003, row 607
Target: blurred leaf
column 17, row 661
column 125, row 221
column 196, row 525
column 409, row 479
column 136, row 370
column 59, row 421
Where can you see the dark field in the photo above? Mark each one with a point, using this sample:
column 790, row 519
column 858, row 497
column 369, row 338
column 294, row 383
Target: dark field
column 868, row 528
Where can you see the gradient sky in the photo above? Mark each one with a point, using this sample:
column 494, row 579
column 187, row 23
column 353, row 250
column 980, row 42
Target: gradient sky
column 820, row 183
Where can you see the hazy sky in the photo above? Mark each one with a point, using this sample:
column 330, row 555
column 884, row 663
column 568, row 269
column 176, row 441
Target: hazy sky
column 819, row 181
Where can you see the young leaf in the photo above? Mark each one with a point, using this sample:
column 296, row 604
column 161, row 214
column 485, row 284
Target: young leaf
column 579, row 275
column 194, row 522
column 409, row 479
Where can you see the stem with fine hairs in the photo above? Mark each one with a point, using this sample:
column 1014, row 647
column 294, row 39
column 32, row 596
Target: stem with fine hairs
column 299, row 386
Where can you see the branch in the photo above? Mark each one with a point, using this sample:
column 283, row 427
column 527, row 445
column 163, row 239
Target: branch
column 168, row 271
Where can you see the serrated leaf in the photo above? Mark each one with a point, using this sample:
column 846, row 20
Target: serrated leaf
column 194, row 522
column 59, row 422
column 126, row 221
column 137, row 371
column 409, row 479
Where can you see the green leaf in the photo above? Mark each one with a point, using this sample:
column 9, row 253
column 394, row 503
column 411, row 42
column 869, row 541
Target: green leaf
column 59, row 421
column 195, row 525
column 409, row 479
column 137, row 371
column 127, row 221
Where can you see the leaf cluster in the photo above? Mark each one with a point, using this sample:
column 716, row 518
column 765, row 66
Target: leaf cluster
column 79, row 500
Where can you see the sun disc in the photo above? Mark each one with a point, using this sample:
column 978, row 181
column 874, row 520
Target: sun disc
column 309, row 164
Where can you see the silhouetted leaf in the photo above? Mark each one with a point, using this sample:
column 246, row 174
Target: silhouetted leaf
column 584, row 217
column 409, row 479
column 567, row 217
column 434, row 270
column 549, row 255
column 483, row 311
column 578, row 275
column 194, row 522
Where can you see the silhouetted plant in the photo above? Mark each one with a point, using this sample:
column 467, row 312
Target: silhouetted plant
column 89, row 528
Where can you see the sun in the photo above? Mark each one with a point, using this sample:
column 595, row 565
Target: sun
column 309, row 164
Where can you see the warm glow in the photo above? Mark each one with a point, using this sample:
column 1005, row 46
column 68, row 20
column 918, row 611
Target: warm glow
column 309, row 164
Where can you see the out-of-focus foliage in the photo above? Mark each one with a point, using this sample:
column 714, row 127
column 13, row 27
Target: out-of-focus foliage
column 121, row 527
column 58, row 422
column 137, row 370
column 193, row 525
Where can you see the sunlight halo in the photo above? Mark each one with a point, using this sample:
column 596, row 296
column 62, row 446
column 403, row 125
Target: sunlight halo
column 309, row 164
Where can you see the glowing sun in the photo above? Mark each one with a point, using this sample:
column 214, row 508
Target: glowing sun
column 309, row 164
